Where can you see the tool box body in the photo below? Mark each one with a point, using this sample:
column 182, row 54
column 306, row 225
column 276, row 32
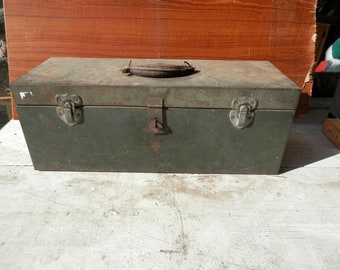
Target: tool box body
column 83, row 114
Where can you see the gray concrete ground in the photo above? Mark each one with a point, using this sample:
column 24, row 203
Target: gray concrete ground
column 63, row 220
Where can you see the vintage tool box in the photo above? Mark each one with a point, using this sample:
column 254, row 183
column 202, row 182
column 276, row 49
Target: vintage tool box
column 198, row 116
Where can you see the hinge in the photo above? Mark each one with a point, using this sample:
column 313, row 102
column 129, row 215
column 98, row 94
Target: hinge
column 243, row 112
column 70, row 109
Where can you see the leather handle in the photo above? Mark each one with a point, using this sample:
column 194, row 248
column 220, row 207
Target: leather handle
column 160, row 70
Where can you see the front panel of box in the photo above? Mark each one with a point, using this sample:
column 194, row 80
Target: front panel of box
column 119, row 139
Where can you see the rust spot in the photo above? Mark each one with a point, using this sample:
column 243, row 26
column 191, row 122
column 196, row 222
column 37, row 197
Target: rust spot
column 155, row 146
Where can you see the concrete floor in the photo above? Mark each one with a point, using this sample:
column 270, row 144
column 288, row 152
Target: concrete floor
column 62, row 220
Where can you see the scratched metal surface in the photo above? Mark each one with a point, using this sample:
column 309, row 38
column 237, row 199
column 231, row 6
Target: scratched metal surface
column 101, row 82
column 117, row 139
column 113, row 135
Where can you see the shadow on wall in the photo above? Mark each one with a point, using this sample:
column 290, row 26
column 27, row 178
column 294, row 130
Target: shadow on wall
column 4, row 83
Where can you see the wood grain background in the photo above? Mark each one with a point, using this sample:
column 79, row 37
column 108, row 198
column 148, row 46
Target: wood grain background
column 280, row 31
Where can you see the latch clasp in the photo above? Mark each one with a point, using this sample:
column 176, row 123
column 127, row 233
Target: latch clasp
column 69, row 109
column 243, row 112
column 156, row 116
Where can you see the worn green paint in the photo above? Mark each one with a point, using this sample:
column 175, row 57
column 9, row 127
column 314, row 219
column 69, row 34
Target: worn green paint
column 101, row 82
column 116, row 139
column 114, row 135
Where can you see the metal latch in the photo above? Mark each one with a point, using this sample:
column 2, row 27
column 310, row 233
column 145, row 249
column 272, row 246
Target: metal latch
column 156, row 116
column 70, row 109
column 243, row 112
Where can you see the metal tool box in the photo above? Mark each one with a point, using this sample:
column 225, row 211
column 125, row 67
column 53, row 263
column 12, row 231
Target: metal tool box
column 198, row 116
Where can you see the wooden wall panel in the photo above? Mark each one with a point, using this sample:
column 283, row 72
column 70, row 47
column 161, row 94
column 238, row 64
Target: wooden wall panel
column 276, row 30
column 292, row 44
column 222, row 30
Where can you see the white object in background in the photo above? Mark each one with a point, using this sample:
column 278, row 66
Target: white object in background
column 332, row 55
column 3, row 49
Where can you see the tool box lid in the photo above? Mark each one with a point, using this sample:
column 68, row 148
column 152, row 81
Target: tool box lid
column 101, row 82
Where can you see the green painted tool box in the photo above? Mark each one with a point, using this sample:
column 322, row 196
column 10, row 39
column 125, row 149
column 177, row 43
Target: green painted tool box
column 198, row 116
